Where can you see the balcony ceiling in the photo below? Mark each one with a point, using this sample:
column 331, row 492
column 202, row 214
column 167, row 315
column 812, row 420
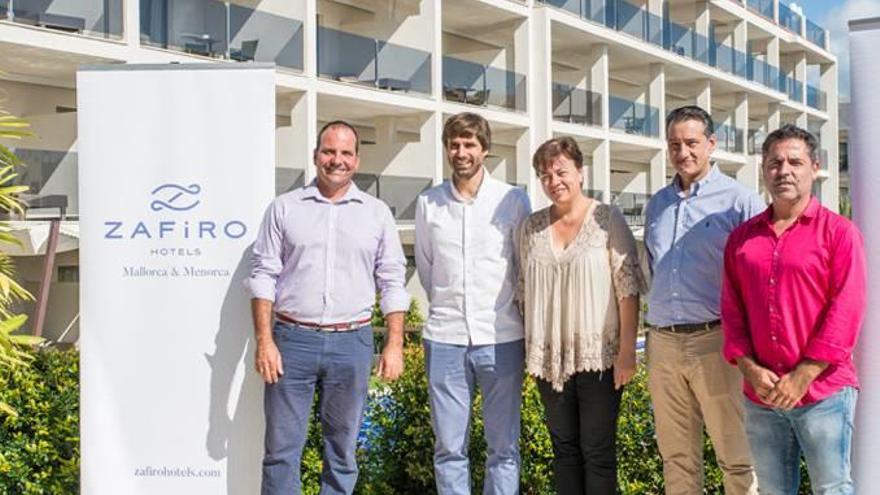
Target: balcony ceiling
column 365, row 112
column 480, row 22
column 39, row 65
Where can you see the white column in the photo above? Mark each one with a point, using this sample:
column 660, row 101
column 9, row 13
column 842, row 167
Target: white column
column 864, row 38
column 600, row 173
column 704, row 95
column 523, row 37
column 131, row 23
column 599, row 73
column 436, row 9
column 540, row 97
column 434, row 133
column 304, row 121
column 800, row 73
column 774, row 117
column 657, row 95
column 741, row 119
column 657, row 173
column 829, row 138
column 310, row 39
column 703, row 18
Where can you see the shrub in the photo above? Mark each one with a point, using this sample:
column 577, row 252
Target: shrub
column 39, row 448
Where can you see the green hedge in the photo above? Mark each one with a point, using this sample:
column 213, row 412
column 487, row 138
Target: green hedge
column 39, row 450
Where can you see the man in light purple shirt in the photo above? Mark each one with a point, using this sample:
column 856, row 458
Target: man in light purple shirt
column 321, row 254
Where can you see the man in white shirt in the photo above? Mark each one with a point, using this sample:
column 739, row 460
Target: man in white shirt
column 474, row 335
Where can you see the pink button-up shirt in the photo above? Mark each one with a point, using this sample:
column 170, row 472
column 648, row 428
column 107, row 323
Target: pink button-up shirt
column 797, row 296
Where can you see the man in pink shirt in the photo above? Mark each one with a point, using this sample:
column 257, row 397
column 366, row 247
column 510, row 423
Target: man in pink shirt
column 792, row 304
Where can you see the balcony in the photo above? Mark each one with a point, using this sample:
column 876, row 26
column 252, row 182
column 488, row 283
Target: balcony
column 789, row 19
column 762, row 7
column 687, row 43
column 816, row 98
column 756, row 141
column 228, row 31
column 730, row 60
column 591, row 10
column 792, row 87
column 815, row 34
column 99, row 18
column 632, row 205
column 372, row 62
column 633, row 117
column 398, row 192
column 762, row 73
column 635, row 21
column 482, row 85
column 727, row 138
column 576, row 105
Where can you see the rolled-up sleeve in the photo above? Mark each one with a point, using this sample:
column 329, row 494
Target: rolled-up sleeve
column 734, row 320
column 391, row 268
column 837, row 335
column 266, row 261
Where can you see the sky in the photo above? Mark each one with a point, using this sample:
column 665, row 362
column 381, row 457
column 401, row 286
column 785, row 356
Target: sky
column 835, row 15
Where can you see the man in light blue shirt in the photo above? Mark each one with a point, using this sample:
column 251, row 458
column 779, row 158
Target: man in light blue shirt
column 321, row 254
column 687, row 224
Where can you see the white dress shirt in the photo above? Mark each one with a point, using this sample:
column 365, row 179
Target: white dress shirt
column 466, row 259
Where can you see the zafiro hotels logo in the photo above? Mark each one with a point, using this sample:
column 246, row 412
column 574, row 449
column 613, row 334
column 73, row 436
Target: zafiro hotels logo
column 171, row 200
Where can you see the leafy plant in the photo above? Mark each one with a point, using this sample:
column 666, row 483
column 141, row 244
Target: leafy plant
column 11, row 345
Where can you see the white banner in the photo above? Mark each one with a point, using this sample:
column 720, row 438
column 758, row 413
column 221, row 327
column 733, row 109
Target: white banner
column 865, row 183
column 176, row 168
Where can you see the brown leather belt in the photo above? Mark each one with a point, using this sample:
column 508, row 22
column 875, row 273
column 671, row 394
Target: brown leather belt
column 324, row 327
column 690, row 327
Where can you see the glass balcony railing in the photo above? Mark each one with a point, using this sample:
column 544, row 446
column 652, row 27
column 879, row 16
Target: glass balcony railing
column 789, row 19
column 352, row 58
column 762, row 73
column 762, row 7
column 792, row 87
column 635, row 21
column 816, row 98
column 595, row 194
column 728, row 138
column 288, row 179
column 576, row 105
column 211, row 28
column 593, row 10
column 481, row 85
column 398, row 192
column 815, row 34
column 756, row 141
column 49, row 173
column 632, row 205
column 102, row 18
column 633, row 117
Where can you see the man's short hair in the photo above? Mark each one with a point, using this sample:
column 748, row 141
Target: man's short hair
column 691, row 112
column 336, row 124
column 552, row 149
column 791, row 131
column 467, row 124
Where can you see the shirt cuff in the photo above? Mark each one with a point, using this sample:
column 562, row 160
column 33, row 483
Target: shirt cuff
column 827, row 352
column 394, row 301
column 261, row 288
column 732, row 351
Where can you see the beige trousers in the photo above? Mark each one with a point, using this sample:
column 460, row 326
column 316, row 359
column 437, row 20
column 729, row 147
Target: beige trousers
column 691, row 386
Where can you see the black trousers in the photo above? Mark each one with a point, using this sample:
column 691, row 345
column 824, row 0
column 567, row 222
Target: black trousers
column 583, row 427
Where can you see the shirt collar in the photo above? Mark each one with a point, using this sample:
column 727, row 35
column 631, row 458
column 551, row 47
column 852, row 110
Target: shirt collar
column 807, row 215
column 714, row 173
column 458, row 197
column 312, row 192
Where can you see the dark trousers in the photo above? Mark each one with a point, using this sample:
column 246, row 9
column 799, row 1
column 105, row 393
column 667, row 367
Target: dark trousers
column 583, row 426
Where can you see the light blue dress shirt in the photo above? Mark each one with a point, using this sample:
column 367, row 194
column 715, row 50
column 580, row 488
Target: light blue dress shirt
column 685, row 237
column 322, row 262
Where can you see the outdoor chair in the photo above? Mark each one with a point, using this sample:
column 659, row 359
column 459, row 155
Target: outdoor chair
column 246, row 53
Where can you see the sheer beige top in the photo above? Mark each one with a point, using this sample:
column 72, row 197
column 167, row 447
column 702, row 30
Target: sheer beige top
column 569, row 296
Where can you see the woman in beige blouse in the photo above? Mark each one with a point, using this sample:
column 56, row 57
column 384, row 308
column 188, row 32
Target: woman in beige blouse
column 579, row 284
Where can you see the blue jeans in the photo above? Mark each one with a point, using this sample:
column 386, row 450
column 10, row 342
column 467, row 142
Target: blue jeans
column 453, row 373
column 822, row 431
column 339, row 365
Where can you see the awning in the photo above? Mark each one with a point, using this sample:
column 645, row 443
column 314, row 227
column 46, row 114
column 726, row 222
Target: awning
column 34, row 237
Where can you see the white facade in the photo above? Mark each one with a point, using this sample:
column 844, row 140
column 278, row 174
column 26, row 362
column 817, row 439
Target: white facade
column 605, row 72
